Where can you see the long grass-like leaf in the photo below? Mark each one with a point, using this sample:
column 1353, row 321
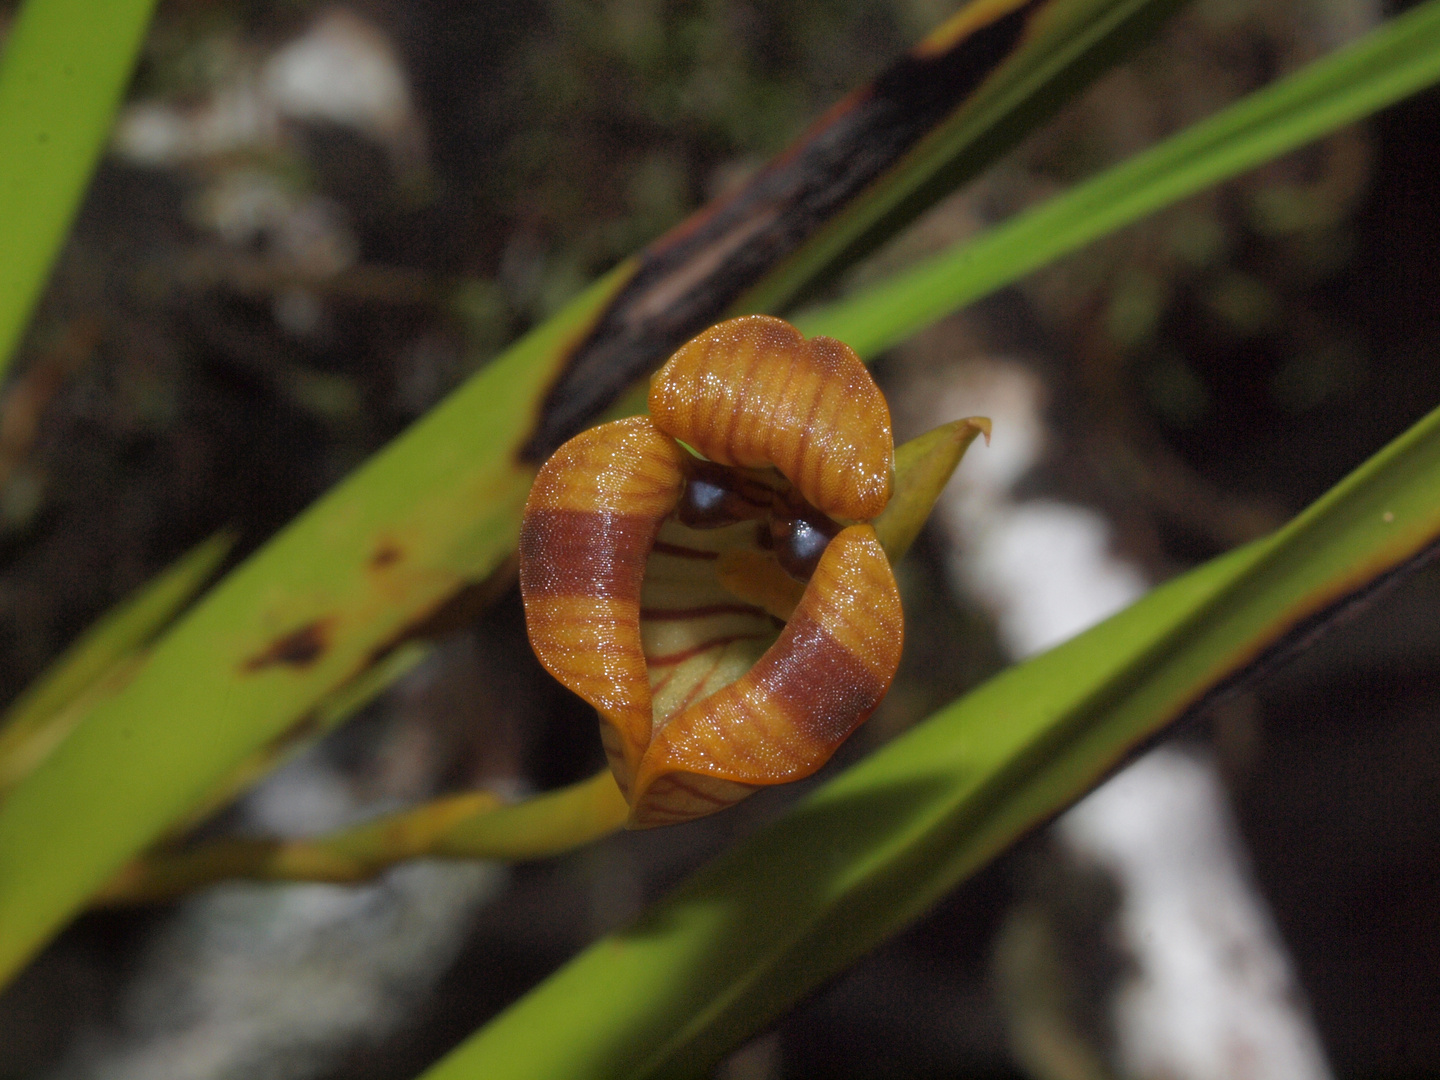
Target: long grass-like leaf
column 63, row 70
column 472, row 825
column 335, row 593
column 754, row 931
column 934, row 118
column 366, row 569
column 1399, row 59
column 1066, row 46
column 36, row 722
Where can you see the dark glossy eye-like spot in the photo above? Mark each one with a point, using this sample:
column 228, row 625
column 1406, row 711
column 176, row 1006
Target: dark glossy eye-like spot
column 800, row 538
column 716, row 496
column 703, row 505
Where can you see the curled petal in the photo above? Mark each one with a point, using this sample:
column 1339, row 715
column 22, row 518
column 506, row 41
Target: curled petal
column 754, row 391
column 781, row 720
column 588, row 528
column 729, row 631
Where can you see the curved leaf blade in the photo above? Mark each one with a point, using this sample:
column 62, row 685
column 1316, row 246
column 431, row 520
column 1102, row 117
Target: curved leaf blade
column 32, row 726
column 934, row 118
column 1065, row 47
column 353, row 578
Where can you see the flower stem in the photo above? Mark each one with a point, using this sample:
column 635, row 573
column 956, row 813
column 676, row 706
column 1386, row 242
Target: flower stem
column 474, row 825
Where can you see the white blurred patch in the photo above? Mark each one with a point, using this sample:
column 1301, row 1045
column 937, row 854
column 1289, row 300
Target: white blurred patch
column 240, row 138
column 1045, row 571
column 277, row 982
column 341, row 70
column 260, row 981
column 250, row 208
column 302, row 798
column 1213, row 997
column 161, row 133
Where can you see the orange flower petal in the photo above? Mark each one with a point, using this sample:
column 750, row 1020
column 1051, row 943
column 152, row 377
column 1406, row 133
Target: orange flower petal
column 829, row 669
column 753, row 391
column 587, row 530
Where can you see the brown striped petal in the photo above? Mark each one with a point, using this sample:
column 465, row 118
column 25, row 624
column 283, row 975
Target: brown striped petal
column 586, row 533
column 753, row 391
column 785, row 715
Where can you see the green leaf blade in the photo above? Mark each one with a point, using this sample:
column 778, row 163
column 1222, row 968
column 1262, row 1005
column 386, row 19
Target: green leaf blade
column 752, row 932
column 309, row 612
column 1065, row 46
column 64, row 68
column 27, row 729
column 301, row 617
column 729, row 949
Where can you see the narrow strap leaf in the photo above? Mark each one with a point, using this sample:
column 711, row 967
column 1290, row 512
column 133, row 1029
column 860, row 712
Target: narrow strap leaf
column 65, row 65
column 1399, row 59
column 415, row 533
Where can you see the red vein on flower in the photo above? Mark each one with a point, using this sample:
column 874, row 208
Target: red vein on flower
column 674, row 670
column 698, row 684
column 675, row 614
column 689, row 697
column 685, row 654
column 695, row 792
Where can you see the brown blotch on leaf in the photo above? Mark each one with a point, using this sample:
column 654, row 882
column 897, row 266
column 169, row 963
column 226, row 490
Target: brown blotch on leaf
column 386, row 555
column 298, row 649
